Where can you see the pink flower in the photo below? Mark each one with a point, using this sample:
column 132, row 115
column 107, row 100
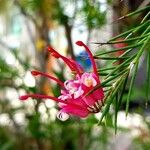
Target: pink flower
column 74, row 99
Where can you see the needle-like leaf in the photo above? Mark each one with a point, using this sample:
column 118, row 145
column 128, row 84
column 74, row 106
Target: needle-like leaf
column 135, row 12
column 118, row 49
column 110, row 98
column 148, row 79
column 131, row 86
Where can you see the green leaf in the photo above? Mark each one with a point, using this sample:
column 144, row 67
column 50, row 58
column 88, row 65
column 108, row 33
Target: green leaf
column 148, row 78
column 121, row 65
column 111, row 58
column 118, row 49
column 124, row 41
column 104, row 74
column 131, row 86
column 135, row 12
column 116, row 111
column 145, row 17
column 108, row 78
column 122, row 91
column 143, row 47
column 109, row 98
column 118, row 101
column 131, row 31
column 113, row 77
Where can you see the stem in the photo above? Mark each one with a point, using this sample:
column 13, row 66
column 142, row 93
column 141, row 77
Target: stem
column 68, row 30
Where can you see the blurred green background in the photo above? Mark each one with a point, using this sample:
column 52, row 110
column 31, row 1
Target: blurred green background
column 26, row 28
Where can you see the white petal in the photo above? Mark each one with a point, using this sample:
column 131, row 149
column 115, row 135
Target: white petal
column 62, row 116
column 78, row 93
column 94, row 82
column 61, row 105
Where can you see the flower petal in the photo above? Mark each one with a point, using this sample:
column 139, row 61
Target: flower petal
column 78, row 93
column 98, row 94
column 62, row 115
column 77, row 102
column 77, row 111
column 89, row 100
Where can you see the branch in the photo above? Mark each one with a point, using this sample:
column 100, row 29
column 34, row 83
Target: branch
column 23, row 11
column 3, row 44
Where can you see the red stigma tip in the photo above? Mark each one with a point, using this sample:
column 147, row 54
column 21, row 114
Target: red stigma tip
column 79, row 43
column 34, row 73
column 24, row 97
column 49, row 48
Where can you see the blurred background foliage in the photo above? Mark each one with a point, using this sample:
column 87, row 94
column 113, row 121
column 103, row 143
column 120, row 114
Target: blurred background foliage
column 27, row 27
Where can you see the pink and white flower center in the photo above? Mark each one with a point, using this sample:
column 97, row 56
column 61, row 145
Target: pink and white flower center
column 89, row 79
column 74, row 88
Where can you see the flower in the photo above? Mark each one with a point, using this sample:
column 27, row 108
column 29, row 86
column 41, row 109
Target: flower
column 74, row 99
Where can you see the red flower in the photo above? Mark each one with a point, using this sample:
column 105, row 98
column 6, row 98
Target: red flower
column 74, row 99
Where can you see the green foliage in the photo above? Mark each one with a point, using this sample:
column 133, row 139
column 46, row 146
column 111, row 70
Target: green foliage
column 33, row 5
column 4, row 6
column 94, row 17
column 148, row 76
column 117, row 77
column 6, row 142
